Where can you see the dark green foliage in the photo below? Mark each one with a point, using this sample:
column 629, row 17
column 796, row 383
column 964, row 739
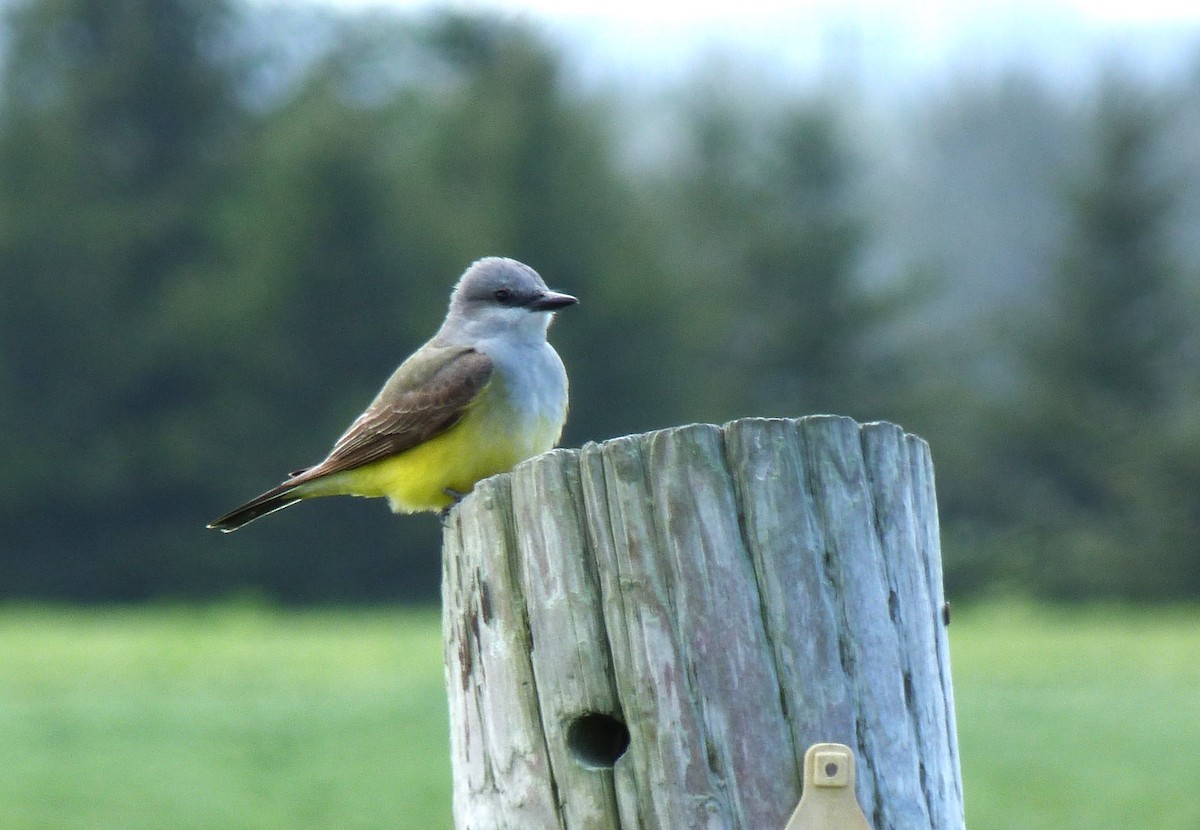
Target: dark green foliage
column 202, row 293
column 1103, row 443
column 772, row 237
column 113, row 119
column 220, row 230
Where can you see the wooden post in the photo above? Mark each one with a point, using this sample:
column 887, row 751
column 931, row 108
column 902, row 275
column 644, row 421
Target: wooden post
column 649, row 633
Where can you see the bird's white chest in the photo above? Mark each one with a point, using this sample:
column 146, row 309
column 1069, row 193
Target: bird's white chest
column 531, row 385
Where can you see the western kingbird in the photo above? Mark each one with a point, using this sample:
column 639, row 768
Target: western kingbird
column 486, row 392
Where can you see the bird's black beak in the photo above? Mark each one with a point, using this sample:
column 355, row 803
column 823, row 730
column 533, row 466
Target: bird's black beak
column 551, row 301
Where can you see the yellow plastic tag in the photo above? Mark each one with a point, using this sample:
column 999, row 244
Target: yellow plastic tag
column 828, row 801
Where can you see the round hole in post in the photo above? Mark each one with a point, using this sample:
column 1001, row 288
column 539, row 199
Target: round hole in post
column 597, row 740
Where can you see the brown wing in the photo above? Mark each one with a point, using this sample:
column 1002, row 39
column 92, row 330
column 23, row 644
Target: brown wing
column 413, row 407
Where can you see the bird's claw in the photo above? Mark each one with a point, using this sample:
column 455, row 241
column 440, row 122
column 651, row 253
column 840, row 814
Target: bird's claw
column 455, row 498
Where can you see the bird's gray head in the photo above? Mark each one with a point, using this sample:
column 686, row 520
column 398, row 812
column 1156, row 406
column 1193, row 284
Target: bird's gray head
column 497, row 295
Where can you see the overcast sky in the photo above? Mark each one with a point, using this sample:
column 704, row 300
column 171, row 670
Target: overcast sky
column 883, row 38
column 949, row 11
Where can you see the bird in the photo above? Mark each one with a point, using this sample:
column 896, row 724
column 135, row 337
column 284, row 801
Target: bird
column 486, row 392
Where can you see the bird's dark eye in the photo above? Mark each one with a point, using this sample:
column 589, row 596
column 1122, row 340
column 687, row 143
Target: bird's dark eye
column 503, row 295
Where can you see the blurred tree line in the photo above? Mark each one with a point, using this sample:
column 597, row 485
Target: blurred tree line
column 222, row 227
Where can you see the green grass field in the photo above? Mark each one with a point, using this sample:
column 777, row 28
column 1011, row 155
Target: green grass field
column 244, row 717
column 226, row 718
column 1081, row 719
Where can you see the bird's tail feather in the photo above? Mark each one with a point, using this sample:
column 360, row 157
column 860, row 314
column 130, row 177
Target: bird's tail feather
column 274, row 499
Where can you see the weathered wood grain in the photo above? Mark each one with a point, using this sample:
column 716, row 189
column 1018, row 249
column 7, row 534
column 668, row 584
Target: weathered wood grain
column 733, row 595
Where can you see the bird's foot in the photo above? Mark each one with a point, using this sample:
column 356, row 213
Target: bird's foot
column 455, row 498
